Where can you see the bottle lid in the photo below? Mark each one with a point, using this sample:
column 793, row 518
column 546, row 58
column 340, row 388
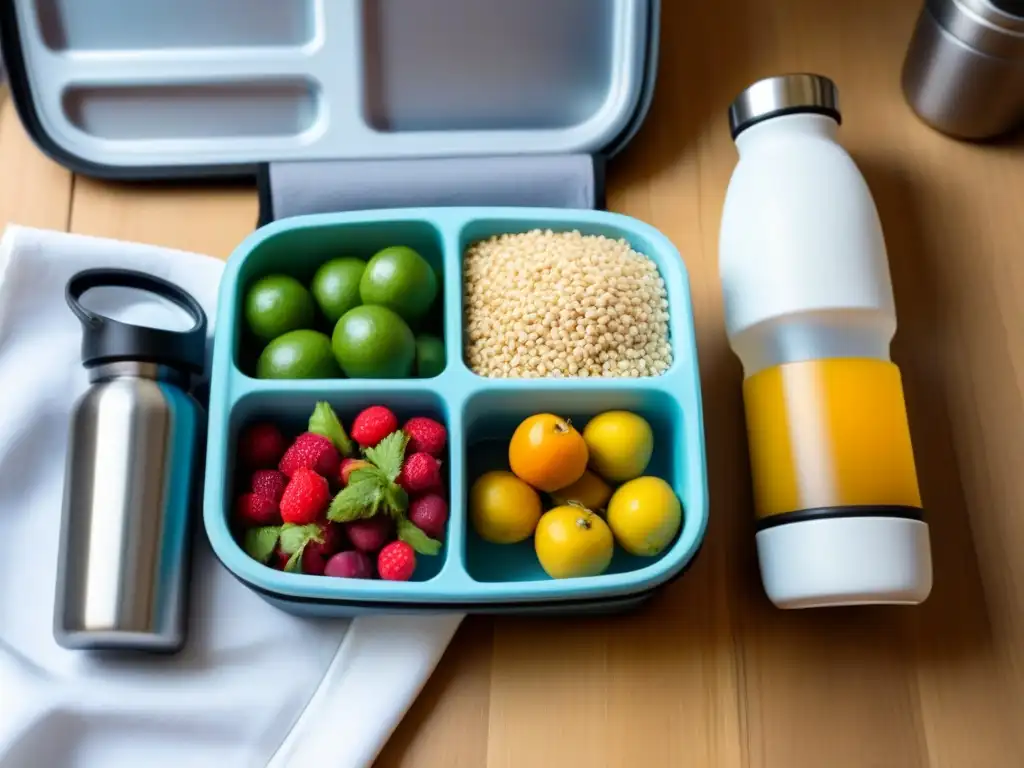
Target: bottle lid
column 105, row 340
column 783, row 95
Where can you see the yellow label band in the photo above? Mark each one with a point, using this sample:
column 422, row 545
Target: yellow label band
column 829, row 433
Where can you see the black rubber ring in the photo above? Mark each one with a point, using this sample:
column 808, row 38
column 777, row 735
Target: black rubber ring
column 832, row 513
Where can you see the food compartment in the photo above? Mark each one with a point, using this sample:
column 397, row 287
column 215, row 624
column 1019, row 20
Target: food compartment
column 465, row 65
column 87, row 25
column 491, row 419
column 269, row 108
column 290, row 412
column 392, row 327
column 548, row 299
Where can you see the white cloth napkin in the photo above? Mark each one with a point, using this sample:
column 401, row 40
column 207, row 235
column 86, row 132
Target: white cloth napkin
column 254, row 686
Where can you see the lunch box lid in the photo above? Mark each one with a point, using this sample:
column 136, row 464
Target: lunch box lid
column 334, row 104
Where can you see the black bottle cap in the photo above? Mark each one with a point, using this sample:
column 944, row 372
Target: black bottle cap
column 105, row 340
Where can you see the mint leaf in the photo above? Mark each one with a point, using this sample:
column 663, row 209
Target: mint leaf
column 360, row 499
column 368, row 473
column 396, row 500
column 417, row 539
column 325, row 421
column 295, row 537
column 259, row 543
column 388, row 454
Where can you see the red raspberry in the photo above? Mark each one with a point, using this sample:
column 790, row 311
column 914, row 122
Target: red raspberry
column 305, row 497
column 254, row 510
column 373, row 425
column 396, row 562
column 261, row 446
column 269, row 483
column 429, row 513
column 425, row 436
column 349, row 565
column 311, row 451
column 369, row 535
column 420, row 472
column 348, row 466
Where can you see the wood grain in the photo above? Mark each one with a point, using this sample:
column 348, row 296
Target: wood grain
column 34, row 191
column 709, row 674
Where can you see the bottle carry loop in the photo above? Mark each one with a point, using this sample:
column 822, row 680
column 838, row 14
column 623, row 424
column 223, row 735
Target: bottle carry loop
column 105, row 340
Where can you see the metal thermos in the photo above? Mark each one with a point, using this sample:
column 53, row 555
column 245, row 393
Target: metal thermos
column 964, row 69
column 126, row 525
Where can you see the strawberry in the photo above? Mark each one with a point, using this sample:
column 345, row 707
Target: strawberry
column 305, row 497
column 278, row 560
column 261, row 446
column 373, row 425
column 425, row 436
column 296, row 548
column 325, row 421
column 254, row 510
column 348, row 466
column 311, row 451
column 349, row 565
column 269, row 483
column 369, row 535
column 420, row 472
column 396, row 562
column 333, row 536
column 313, row 560
column 429, row 513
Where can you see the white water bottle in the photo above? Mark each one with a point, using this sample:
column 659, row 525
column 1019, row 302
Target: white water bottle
column 809, row 311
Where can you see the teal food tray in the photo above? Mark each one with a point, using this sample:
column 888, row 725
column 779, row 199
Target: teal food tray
column 480, row 413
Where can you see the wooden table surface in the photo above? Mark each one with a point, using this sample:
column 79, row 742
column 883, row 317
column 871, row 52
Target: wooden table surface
column 710, row 674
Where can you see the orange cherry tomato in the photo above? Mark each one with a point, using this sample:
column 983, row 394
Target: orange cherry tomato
column 547, row 452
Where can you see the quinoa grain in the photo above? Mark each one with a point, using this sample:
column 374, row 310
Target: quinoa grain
column 546, row 303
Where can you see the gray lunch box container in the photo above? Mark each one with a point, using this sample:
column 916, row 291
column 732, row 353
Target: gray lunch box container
column 338, row 105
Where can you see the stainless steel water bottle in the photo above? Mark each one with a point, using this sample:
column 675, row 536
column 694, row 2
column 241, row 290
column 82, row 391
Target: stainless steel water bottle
column 126, row 524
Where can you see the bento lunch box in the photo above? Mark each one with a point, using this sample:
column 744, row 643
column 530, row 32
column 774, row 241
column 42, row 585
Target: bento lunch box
column 480, row 413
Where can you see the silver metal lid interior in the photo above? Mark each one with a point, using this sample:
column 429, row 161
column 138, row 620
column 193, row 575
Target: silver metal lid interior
column 783, row 95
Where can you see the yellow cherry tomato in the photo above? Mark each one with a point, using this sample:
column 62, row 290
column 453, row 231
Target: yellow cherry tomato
column 590, row 491
column 572, row 541
column 547, row 452
column 502, row 508
column 619, row 444
column 645, row 515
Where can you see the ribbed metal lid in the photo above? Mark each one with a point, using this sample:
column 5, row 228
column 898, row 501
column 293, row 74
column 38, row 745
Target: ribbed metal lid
column 783, row 95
